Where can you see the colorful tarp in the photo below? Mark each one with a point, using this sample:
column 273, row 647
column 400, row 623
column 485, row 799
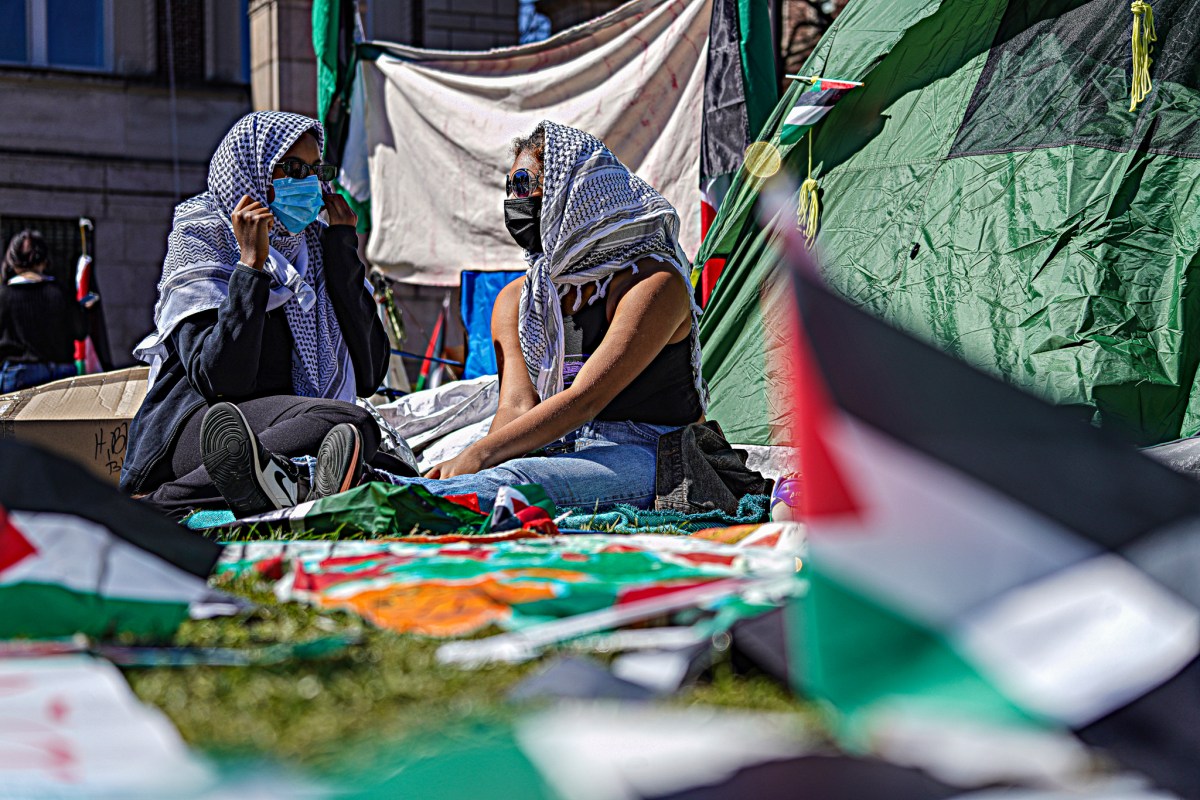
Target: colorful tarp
column 457, row 587
column 989, row 190
column 633, row 77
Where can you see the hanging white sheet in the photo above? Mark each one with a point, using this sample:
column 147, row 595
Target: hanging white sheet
column 438, row 126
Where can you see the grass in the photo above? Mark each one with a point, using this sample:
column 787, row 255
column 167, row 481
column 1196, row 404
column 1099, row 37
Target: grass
column 314, row 713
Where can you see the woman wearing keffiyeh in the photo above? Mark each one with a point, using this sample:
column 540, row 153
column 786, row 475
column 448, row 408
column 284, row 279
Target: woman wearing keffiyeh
column 264, row 329
column 597, row 345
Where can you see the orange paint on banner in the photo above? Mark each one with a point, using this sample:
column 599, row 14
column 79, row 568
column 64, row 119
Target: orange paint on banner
column 453, row 608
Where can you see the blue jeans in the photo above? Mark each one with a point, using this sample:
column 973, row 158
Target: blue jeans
column 595, row 467
column 15, row 376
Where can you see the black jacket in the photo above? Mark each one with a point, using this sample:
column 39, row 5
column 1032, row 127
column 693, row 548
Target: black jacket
column 39, row 323
column 239, row 352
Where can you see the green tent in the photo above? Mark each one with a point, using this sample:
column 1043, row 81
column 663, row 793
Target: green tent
column 989, row 190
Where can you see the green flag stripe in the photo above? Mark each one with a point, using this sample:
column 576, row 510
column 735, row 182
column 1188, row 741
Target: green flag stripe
column 859, row 657
column 43, row 610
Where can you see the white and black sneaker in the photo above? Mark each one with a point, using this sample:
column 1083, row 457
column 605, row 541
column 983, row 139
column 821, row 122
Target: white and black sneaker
column 340, row 464
column 252, row 479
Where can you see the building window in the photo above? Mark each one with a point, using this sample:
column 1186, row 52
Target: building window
column 74, row 34
column 181, row 41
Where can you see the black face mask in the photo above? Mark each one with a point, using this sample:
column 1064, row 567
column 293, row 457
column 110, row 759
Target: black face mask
column 523, row 218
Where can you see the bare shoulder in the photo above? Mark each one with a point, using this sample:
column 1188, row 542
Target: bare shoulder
column 511, row 293
column 659, row 290
column 508, row 300
column 652, row 279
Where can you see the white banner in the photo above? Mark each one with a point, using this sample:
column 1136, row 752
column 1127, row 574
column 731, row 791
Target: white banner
column 439, row 125
column 71, row 727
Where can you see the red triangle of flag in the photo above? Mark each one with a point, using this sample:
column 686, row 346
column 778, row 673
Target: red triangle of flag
column 14, row 547
column 826, row 491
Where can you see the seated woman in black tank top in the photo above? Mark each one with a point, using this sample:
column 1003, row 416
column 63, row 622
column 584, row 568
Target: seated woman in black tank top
column 596, row 344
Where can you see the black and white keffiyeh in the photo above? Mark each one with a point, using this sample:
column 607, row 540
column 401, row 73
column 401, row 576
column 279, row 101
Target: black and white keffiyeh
column 202, row 253
column 598, row 219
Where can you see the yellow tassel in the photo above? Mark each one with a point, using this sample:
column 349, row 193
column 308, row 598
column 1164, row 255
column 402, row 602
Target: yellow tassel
column 809, row 208
column 1143, row 39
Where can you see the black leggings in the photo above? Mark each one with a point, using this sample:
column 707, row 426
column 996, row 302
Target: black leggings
column 286, row 425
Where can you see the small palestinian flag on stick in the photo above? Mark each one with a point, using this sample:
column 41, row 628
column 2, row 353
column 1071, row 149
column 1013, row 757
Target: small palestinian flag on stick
column 812, row 106
column 430, row 376
column 76, row 556
column 979, row 556
column 522, row 507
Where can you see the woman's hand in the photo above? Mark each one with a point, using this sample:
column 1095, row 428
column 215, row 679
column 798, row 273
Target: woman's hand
column 468, row 462
column 252, row 223
column 338, row 211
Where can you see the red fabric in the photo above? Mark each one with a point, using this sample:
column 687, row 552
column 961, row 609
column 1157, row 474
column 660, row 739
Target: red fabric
column 535, row 518
column 826, row 492
column 470, row 501
column 714, row 266
column 646, row 592
column 709, row 277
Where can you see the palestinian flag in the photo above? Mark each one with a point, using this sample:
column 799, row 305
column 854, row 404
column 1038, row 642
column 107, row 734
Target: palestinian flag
column 92, row 352
column 522, row 507
column 977, row 554
column 812, row 106
column 430, row 376
column 76, row 556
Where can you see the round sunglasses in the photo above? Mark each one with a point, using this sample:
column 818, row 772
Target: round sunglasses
column 522, row 183
column 295, row 168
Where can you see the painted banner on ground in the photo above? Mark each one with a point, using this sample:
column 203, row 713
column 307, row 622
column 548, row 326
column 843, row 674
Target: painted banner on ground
column 71, row 727
column 454, row 588
column 438, row 126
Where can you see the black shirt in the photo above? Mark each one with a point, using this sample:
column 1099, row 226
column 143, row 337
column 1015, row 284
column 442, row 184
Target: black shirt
column 664, row 393
column 39, row 323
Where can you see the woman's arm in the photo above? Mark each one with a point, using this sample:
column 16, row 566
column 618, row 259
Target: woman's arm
column 345, row 278
column 517, row 393
column 647, row 317
column 220, row 348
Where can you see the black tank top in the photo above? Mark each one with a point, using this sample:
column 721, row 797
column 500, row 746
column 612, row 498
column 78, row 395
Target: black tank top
column 663, row 394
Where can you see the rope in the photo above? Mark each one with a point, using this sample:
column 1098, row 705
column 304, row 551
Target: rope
column 809, row 209
column 1143, row 39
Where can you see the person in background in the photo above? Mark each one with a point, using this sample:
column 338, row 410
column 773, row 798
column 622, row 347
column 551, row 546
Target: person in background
column 265, row 330
column 39, row 319
column 597, row 344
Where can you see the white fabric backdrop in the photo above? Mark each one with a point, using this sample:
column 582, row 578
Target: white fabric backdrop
column 438, row 128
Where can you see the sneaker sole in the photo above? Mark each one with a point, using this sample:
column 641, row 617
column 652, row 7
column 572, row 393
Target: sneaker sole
column 341, row 451
column 228, row 452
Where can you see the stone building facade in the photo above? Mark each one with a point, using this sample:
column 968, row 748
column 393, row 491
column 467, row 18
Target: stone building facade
column 102, row 135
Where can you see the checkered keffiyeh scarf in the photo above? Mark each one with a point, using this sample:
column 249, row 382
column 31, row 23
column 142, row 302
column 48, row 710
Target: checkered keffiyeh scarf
column 202, row 253
column 598, row 218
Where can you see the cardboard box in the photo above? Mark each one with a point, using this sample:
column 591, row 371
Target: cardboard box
column 85, row 418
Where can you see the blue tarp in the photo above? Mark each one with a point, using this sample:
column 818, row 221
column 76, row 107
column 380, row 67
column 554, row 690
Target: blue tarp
column 479, row 291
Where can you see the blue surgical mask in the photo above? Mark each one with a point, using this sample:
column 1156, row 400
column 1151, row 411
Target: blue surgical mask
column 297, row 202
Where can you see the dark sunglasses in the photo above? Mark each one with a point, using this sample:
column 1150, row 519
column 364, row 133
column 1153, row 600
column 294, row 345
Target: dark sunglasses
column 522, row 183
column 295, row 168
